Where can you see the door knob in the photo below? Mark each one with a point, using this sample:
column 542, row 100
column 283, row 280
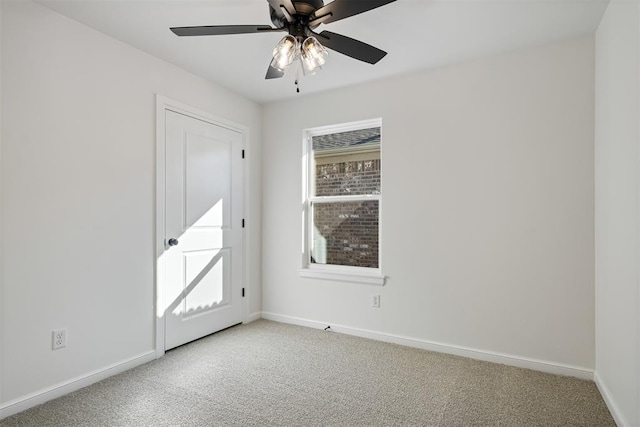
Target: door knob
column 173, row 242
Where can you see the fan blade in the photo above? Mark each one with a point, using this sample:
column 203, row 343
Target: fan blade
column 218, row 30
column 287, row 4
column 351, row 47
column 273, row 73
column 340, row 9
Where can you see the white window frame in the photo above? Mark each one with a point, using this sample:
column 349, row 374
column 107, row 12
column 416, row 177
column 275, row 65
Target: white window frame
column 372, row 276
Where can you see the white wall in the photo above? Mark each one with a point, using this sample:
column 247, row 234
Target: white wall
column 487, row 224
column 617, row 169
column 78, row 168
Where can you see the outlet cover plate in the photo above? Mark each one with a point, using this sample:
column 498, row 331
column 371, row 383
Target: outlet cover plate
column 59, row 337
column 375, row 301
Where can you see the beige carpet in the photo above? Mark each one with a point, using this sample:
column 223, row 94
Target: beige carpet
column 271, row 374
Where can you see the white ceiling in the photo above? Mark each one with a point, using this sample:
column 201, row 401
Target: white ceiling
column 418, row 34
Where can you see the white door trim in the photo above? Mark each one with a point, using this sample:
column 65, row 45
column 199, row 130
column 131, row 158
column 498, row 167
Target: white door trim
column 162, row 104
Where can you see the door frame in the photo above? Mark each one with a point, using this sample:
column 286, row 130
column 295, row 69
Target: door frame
column 162, row 104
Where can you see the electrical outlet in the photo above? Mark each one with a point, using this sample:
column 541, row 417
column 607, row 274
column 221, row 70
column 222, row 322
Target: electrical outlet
column 59, row 338
column 375, row 301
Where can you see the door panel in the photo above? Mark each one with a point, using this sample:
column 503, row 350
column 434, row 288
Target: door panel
column 204, row 193
column 208, row 181
column 207, row 272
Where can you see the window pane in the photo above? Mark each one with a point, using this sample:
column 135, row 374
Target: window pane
column 346, row 163
column 345, row 233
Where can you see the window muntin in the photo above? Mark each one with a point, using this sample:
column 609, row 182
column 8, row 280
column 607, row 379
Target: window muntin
column 343, row 197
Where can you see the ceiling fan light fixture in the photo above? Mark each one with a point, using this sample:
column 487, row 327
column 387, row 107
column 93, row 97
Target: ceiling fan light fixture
column 284, row 53
column 309, row 65
column 312, row 55
column 312, row 47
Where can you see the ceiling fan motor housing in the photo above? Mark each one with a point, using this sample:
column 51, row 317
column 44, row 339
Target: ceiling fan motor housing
column 304, row 9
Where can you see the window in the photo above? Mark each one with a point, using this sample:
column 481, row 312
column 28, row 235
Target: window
column 342, row 201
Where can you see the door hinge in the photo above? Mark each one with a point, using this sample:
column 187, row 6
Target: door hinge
column 243, row 154
column 242, row 292
column 242, row 222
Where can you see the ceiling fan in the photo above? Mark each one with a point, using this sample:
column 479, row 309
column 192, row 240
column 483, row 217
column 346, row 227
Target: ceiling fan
column 299, row 18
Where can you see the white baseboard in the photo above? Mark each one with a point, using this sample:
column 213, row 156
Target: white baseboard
column 505, row 359
column 608, row 399
column 29, row 401
column 253, row 317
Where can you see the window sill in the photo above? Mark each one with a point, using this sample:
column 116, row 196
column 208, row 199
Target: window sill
column 377, row 280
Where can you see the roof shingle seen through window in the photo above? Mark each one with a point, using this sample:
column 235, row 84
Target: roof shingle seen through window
column 348, row 139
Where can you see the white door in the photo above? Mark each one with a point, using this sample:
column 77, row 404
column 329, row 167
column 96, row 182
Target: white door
column 203, row 228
